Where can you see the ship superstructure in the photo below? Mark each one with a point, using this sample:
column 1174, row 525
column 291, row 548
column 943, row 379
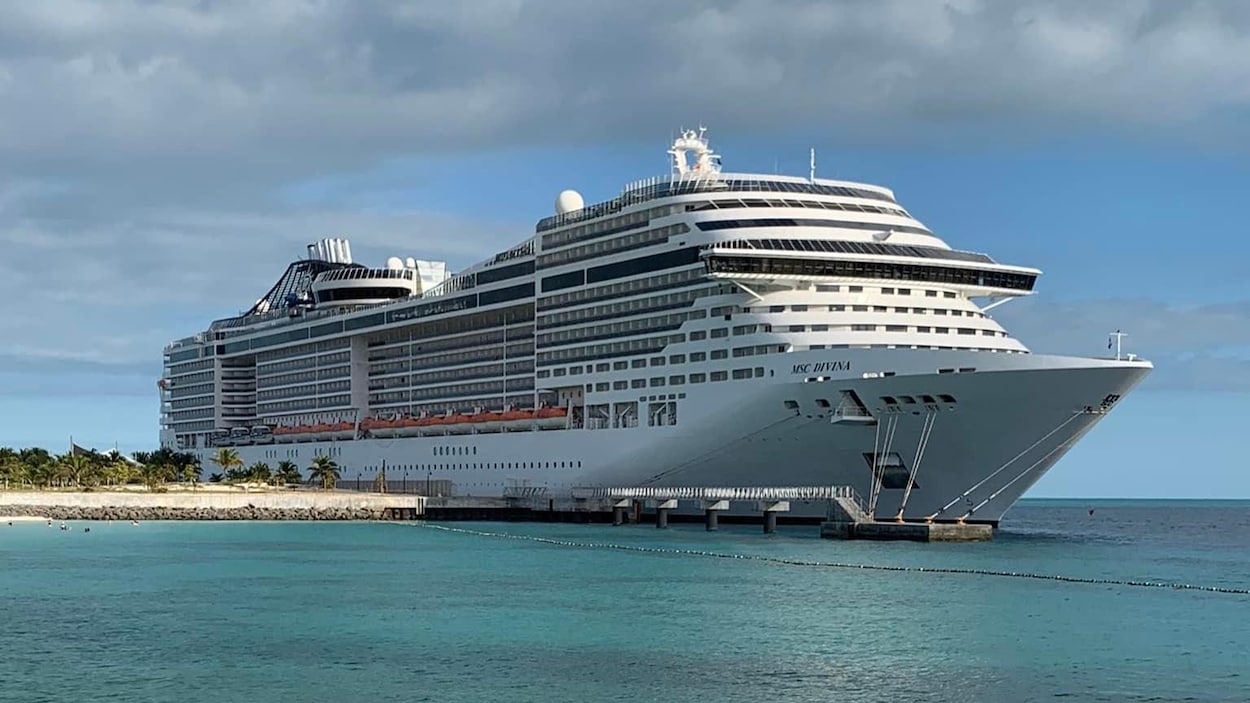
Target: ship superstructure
column 702, row 328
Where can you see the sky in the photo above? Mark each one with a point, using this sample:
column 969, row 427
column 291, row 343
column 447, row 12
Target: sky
column 161, row 162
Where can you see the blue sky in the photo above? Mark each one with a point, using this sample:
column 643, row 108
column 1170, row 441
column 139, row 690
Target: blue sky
column 186, row 154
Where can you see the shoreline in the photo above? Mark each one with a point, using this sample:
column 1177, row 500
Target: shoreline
column 273, row 506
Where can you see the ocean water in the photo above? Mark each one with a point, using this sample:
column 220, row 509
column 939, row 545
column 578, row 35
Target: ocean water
column 310, row 612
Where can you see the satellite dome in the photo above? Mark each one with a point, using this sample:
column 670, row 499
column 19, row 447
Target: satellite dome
column 411, row 262
column 394, row 263
column 569, row 201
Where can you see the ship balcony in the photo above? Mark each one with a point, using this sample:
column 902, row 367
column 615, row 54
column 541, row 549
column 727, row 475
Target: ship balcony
column 245, row 399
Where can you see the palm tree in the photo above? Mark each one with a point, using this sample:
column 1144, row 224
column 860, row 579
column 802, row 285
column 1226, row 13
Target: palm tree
column 227, row 460
column 259, row 473
column 288, row 473
column 12, row 470
column 325, row 471
column 77, row 468
column 155, row 475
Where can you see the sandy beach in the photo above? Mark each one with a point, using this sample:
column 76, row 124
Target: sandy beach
column 22, row 518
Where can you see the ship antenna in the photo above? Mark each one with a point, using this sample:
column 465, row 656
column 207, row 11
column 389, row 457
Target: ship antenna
column 812, row 165
column 1118, row 336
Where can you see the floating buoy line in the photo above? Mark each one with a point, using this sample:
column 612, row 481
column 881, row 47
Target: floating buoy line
column 838, row 565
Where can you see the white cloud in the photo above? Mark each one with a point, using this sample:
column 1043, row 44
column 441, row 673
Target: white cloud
column 145, row 146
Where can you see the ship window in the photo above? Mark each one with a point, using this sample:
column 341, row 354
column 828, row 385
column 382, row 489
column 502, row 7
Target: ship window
column 889, row 400
column 657, row 361
column 620, row 365
column 639, row 363
column 719, row 333
column 698, row 356
column 698, row 377
column 948, row 294
column 822, row 402
column 946, row 398
column 792, row 405
column 620, row 385
column 887, row 291
column 656, row 382
column 720, row 376
column 698, row 335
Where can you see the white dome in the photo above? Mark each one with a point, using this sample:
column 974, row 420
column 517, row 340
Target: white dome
column 411, row 262
column 394, row 263
column 569, row 201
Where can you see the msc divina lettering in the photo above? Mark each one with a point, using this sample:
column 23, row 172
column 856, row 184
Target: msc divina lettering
column 700, row 329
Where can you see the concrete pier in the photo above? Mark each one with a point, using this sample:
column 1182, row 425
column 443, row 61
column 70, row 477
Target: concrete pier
column 711, row 508
column 620, row 512
column 771, row 508
column 907, row 531
column 661, row 512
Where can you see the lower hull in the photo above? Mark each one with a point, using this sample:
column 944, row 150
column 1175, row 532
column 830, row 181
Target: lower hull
column 970, row 458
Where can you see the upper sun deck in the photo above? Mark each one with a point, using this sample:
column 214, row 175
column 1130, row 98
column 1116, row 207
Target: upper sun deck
column 704, row 176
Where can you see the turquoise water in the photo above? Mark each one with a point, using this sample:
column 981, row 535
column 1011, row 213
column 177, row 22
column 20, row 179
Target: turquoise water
column 387, row 612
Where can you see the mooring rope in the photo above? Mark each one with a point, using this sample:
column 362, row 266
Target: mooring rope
column 840, row 565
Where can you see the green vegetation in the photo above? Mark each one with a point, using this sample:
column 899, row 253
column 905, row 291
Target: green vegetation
column 324, row 471
column 37, row 469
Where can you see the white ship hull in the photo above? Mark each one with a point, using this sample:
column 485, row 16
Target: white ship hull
column 1011, row 420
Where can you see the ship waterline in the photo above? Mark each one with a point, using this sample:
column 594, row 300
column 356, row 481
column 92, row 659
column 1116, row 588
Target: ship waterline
column 704, row 329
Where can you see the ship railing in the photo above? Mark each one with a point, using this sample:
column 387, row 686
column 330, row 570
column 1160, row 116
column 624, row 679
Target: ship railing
column 721, row 493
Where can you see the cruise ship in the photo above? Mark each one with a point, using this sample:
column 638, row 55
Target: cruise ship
column 703, row 328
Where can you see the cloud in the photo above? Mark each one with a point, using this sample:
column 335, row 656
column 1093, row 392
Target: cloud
column 1197, row 347
column 149, row 149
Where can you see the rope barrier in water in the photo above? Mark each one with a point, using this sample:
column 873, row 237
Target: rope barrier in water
column 842, row 565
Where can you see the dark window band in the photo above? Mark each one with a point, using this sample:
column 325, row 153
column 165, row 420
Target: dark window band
column 870, row 269
column 714, row 225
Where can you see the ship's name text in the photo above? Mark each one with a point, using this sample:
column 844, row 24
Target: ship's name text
column 819, row 366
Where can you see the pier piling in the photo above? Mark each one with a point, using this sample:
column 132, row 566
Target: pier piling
column 711, row 510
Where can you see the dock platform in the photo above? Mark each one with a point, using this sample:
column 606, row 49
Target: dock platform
column 848, row 517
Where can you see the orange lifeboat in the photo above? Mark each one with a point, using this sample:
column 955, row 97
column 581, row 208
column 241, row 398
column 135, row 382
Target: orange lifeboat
column 407, row 427
column 518, row 420
column 458, row 424
column 487, row 421
column 552, row 418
